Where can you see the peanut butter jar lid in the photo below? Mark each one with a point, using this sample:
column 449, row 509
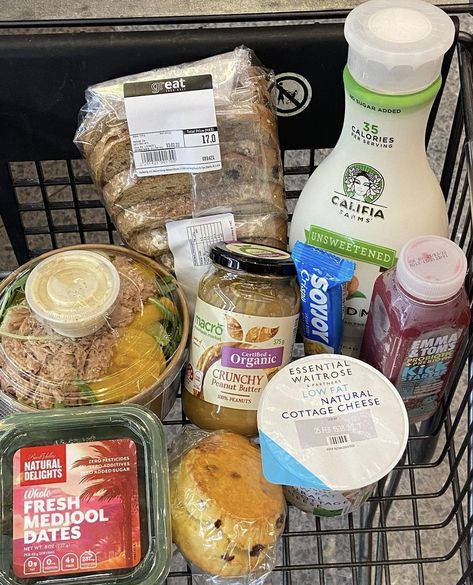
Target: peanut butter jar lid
column 253, row 258
column 330, row 422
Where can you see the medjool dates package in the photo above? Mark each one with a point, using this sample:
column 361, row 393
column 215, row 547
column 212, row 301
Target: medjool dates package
column 84, row 497
column 87, row 326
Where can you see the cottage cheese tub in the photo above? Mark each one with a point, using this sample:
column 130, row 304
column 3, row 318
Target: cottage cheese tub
column 330, row 427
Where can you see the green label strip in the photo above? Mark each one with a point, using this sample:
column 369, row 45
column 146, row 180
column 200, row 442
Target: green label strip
column 350, row 247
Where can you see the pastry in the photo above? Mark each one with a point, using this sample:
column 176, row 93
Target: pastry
column 226, row 517
column 223, row 557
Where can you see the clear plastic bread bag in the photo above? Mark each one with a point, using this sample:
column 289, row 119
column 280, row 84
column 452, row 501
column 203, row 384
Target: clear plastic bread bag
column 226, row 518
column 143, row 191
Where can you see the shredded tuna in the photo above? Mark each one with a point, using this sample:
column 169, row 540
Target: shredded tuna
column 42, row 374
column 134, row 291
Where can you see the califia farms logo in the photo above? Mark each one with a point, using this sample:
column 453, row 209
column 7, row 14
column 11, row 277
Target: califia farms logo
column 363, row 185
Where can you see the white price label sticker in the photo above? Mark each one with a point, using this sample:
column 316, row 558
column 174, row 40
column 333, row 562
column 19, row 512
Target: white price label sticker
column 190, row 241
column 173, row 125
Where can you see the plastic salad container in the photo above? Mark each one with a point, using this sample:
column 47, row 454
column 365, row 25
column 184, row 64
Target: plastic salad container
column 84, row 497
column 91, row 325
column 330, row 427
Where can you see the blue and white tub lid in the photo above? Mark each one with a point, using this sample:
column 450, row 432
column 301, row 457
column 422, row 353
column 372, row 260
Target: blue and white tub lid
column 330, row 422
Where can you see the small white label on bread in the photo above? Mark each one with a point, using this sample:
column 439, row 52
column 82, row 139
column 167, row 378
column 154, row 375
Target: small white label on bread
column 190, row 241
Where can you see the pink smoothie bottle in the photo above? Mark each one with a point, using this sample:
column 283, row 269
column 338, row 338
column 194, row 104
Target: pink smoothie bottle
column 418, row 318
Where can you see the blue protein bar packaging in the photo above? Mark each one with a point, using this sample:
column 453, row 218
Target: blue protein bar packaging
column 323, row 278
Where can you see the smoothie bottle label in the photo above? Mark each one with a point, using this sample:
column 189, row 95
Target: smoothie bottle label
column 75, row 508
column 427, row 363
column 232, row 355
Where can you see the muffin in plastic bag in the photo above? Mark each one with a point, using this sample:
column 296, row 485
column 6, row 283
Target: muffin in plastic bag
column 226, row 518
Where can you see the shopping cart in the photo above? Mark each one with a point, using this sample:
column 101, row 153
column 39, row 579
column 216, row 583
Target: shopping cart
column 417, row 527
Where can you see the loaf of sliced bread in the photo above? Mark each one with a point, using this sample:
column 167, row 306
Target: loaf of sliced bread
column 137, row 215
column 124, row 191
column 249, row 184
column 150, row 214
column 250, row 132
column 262, row 228
column 242, row 183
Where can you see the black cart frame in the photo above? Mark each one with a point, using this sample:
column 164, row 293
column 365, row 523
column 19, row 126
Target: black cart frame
column 47, row 200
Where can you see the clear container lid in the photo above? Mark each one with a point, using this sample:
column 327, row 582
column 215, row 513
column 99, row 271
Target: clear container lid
column 397, row 46
column 330, row 422
column 431, row 268
column 73, row 292
column 140, row 341
column 84, row 498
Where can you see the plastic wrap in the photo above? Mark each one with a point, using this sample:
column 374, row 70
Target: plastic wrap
column 249, row 184
column 226, row 518
column 268, row 229
column 65, row 344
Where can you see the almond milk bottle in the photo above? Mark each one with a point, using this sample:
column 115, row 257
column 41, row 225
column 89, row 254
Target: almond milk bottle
column 376, row 190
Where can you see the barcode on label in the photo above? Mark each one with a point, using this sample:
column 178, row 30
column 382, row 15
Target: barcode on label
column 153, row 157
column 338, row 440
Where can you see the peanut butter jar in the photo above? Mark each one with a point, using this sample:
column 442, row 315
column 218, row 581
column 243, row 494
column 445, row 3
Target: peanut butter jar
column 244, row 330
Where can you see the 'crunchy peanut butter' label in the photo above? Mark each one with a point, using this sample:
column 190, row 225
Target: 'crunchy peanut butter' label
column 233, row 356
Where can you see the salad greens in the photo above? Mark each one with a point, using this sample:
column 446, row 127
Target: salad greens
column 13, row 295
column 85, row 390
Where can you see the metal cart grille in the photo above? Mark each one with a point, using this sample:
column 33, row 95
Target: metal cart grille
column 417, row 527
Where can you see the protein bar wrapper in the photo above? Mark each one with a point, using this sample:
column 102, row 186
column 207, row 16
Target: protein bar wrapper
column 322, row 279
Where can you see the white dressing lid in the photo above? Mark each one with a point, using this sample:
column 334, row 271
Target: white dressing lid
column 330, row 422
column 73, row 291
column 397, row 46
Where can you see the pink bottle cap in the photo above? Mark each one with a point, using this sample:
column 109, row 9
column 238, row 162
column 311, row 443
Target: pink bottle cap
column 431, row 268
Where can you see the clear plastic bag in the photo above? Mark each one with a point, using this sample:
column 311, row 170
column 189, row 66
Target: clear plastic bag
column 226, row 518
column 249, row 185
